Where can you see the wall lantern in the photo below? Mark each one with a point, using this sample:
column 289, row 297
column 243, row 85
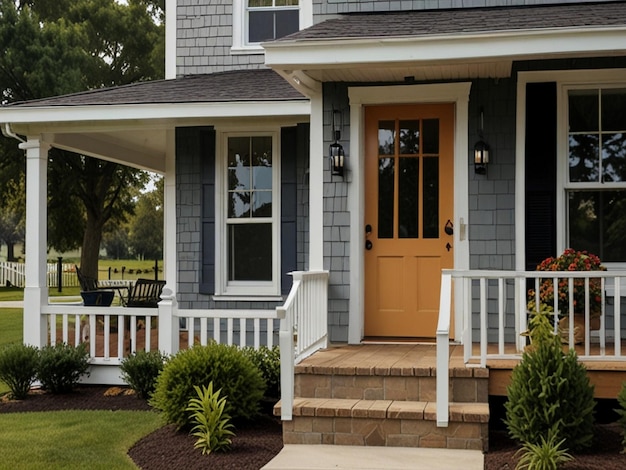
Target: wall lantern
column 337, row 155
column 481, row 150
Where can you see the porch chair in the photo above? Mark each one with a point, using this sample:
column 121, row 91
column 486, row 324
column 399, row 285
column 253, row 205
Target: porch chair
column 144, row 293
column 91, row 292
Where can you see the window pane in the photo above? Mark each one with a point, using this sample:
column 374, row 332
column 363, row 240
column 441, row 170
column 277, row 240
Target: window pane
column 613, row 110
column 287, row 22
column 262, row 162
column 238, row 204
column 286, row 3
column 250, row 252
column 584, row 158
column 583, row 110
column 408, row 194
column 431, row 197
column 262, row 204
column 260, row 26
column 597, row 223
column 614, row 157
column 430, row 136
column 238, row 163
column 386, row 137
column 385, row 197
column 409, row 137
column 259, row 3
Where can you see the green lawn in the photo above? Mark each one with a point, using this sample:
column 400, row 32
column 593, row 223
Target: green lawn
column 73, row 439
column 10, row 332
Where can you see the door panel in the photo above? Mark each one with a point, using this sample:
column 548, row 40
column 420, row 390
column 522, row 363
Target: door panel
column 409, row 199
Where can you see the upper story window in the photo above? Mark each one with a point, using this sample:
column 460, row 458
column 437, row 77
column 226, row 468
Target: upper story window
column 256, row 21
column 595, row 184
column 271, row 19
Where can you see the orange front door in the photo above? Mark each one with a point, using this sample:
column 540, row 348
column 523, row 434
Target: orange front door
column 408, row 216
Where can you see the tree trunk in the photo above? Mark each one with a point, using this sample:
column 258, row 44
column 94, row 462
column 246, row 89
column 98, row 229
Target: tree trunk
column 10, row 251
column 91, row 247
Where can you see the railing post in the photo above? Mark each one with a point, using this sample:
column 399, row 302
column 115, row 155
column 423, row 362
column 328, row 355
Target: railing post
column 443, row 350
column 168, row 323
column 286, row 345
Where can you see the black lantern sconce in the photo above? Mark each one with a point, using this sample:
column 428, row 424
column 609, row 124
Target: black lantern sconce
column 337, row 155
column 481, row 151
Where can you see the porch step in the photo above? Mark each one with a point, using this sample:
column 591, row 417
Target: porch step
column 399, row 423
column 467, row 385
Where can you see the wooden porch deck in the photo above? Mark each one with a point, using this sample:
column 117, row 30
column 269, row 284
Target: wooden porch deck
column 404, row 359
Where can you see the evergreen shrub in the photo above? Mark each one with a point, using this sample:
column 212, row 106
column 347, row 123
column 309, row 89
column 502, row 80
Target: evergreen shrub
column 230, row 370
column 140, row 371
column 621, row 411
column 18, row 368
column 549, row 396
column 61, row 366
column 267, row 361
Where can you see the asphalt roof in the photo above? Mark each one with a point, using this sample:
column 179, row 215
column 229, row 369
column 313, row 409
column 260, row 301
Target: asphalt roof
column 464, row 21
column 232, row 86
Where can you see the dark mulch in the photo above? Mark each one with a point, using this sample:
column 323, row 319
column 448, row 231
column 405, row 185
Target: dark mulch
column 255, row 443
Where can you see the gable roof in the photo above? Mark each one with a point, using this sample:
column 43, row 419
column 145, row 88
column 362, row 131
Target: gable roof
column 464, row 21
column 232, row 86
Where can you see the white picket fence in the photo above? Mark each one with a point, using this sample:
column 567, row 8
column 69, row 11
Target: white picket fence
column 12, row 273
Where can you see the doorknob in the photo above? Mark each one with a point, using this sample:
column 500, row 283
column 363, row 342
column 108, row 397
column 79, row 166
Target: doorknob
column 368, row 244
column 449, row 228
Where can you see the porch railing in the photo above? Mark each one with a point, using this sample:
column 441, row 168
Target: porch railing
column 303, row 328
column 491, row 315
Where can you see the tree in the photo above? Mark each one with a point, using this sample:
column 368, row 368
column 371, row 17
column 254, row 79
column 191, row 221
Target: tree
column 146, row 228
column 12, row 220
column 55, row 47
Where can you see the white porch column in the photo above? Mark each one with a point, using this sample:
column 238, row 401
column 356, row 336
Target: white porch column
column 36, row 289
column 169, row 213
column 316, row 184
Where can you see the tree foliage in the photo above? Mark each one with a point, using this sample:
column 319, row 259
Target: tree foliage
column 146, row 227
column 55, row 47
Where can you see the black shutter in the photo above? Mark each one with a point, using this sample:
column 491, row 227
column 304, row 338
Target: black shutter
column 196, row 146
column 294, row 144
column 541, row 160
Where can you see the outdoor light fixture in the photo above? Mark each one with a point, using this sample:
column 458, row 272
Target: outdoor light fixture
column 337, row 155
column 481, row 150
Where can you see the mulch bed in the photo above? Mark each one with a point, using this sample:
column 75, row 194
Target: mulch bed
column 255, row 443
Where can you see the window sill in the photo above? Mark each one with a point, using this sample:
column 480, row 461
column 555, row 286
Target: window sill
column 248, row 298
column 241, row 50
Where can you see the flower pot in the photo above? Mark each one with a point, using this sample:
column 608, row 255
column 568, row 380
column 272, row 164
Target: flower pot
column 579, row 327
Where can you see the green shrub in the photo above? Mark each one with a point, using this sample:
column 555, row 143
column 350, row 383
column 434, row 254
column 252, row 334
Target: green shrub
column 549, row 392
column 212, row 424
column 61, row 366
column 268, row 362
column 547, row 455
column 140, row 371
column 18, row 368
column 226, row 366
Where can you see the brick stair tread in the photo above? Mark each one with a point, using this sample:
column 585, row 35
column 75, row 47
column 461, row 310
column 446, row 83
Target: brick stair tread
column 385, row 409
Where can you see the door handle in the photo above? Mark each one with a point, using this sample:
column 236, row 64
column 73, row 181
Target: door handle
column 368, row 244
column 449, row 228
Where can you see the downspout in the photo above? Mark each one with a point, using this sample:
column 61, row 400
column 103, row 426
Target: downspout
column 8, row 132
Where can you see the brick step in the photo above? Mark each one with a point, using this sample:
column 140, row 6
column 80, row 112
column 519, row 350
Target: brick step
column 467, row 385
column 390, row 423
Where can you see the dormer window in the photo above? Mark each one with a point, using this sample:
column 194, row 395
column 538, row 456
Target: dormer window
column 271, row 19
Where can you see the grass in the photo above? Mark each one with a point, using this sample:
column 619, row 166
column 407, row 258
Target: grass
column 73, row 439
column 11, row 322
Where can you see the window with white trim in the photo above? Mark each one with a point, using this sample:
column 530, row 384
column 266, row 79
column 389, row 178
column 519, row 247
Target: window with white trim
column 256, row 21
column 250, row 214
column 595, row 179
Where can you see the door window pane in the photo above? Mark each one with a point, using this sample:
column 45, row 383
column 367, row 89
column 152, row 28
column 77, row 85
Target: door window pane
column 409, row 137
column 430, row 136
column 408, row 198
column 386, row 137
column 385, row 197
column 431, row 197
column 250, row 252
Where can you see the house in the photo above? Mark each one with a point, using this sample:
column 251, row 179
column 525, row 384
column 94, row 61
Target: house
column 470, row 140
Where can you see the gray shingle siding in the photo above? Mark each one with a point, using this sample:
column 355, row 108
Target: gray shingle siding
column 204, row 37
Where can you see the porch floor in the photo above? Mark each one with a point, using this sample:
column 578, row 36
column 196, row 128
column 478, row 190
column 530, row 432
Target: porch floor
column 406, row 359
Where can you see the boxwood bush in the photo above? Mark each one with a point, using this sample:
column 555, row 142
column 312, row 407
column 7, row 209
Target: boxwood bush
column 226, row 366
column 61, row 366
column 140, row 371
column 18, row 368
column 267, row 361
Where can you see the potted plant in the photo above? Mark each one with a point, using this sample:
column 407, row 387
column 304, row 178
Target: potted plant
column 571, row 260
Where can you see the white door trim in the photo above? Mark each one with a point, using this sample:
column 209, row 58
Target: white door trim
column 457, row 93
